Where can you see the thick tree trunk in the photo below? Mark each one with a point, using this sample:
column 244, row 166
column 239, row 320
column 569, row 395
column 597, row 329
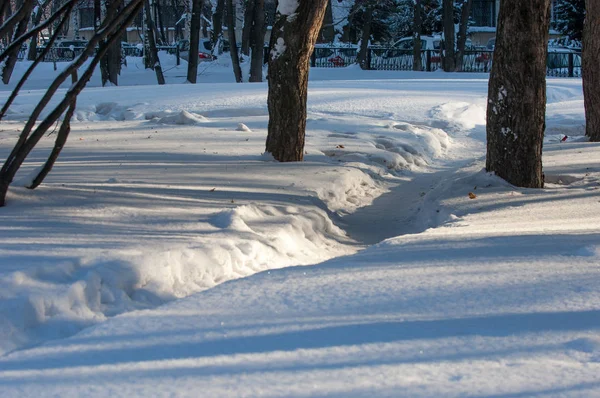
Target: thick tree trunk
column 235, row 59
column 217, row 18
column 110, row 65
column 591, row 73
column 151, row 51
column 258, row 42
column 192, row 71
column 363, row 53
column 417, row 29
column 21, row 28
column 292, row 42
column 461, row 41
column 517, row 93
column 247, row 30
column 448, row 56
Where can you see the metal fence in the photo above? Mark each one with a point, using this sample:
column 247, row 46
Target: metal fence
column 559, row 63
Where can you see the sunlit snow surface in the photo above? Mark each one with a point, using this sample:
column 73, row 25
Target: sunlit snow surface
column 161, row 196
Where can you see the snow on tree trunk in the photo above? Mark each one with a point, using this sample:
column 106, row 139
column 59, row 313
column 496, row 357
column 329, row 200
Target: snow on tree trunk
column 591, row 73
column 293, row 38
column 517, row 93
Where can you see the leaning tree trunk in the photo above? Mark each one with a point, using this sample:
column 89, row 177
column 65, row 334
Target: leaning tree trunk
column 258, row 42
column 591, row 73
column 233, row 51
column 292, row 42
column 192, row 71
column 363, row 53
column 517, row 93
column 448, row 56
column 417, row 29
column 151, row 51
column 461, row 41
column 21, row 28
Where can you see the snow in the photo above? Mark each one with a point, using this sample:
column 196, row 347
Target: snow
column 166, row 255
column 287, row 7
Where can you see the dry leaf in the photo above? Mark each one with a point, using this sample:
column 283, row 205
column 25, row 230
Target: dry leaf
column 212, row 190
column 340, row 147
column 472, row 195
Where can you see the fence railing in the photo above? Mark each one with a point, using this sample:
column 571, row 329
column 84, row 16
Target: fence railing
column 559, row 63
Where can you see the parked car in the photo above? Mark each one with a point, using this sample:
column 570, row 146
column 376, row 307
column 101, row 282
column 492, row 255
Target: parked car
column 335, row 55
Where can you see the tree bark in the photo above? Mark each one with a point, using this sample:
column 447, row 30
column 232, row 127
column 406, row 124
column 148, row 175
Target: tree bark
column 448, row 56
column 363, row 53
column 192, row 71
column 151, row 51
column 217, row 31
column 517, row 93
column 590, row 71
column 417, row 29
column 258, row 42
column 235, row 59
column 461, row 42
column 292, row 42
column 110, row 65
column 13, row 56
column 247, row 30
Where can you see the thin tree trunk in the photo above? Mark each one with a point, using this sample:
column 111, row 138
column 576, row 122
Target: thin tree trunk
column 327, row 30
column 235, row 59
column 192, row 71
column 161, row 26
column 292, row 42
column 247, row 29
column 217, row 18
column 37, row 17
column 417, row 29
column 61, row 139
column 110, row 65
column 517, row 93
column 151, row 51
column 448, row 56
column 258, row 42
column 461, row 41
column 13, row 56
column 591, row 73
column 28, row 139
column 363, row 53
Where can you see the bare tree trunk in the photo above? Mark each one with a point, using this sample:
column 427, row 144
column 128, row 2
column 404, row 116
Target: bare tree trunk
column 448, row 56
column 21, row 28
column 247, row 29
column 192, row 71
column 37, row 17
column 151, row 51
column 217, row 18
column 517, row 93
column 327, row 30
column 465, row 11
column 258, row 42
column 363, row 53
column 161, row 27
column 110, row 65
column 292, row 42
column 235, row 59
column 29, row 137
column 417, row 29
column 591, row 73
column 61, row 140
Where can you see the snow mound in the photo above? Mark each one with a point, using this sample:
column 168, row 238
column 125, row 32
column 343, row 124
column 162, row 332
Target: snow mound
column 59, row 300
column 243, row 127
column 461, row 114
column 180, row 118
column 353, row 189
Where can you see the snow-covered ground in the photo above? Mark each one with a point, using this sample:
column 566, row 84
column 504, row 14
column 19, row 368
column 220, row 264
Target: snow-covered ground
column 430, row 277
